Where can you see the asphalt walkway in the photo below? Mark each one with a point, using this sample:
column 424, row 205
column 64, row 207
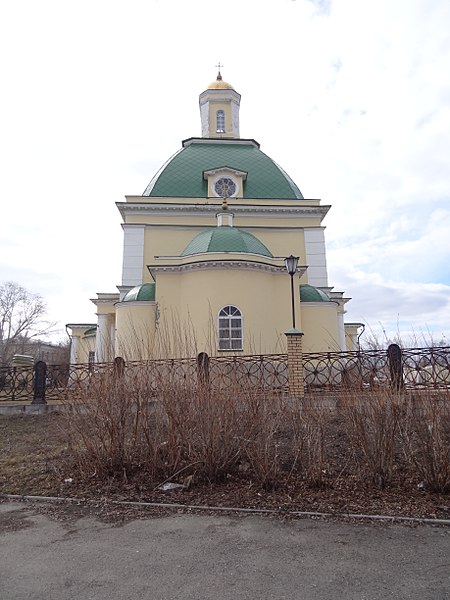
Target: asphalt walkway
column 197, row 557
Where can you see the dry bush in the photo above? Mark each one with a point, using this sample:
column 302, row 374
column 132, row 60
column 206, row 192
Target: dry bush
column 425, row 434
column 204, row 429
column 113, row 426
column 371, row 421
column 265, row 419
column 309, row 423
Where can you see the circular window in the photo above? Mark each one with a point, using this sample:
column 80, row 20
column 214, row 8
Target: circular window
column 225, row 187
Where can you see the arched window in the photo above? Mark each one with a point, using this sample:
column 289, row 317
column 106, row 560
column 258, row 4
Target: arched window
column 220, row 121
column 230, row 328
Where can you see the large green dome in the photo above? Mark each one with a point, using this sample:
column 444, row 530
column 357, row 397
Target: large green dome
column 182, row 175
column 225, row 239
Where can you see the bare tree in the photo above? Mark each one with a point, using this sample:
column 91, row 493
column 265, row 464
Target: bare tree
column 21, row 318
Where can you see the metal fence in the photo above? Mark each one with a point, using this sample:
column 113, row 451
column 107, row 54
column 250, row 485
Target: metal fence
column 416, row 368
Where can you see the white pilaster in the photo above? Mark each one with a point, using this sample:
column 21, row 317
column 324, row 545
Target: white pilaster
column 133, row 254
column 316, row 256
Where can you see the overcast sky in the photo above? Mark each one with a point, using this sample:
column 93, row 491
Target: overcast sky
column 350, row 97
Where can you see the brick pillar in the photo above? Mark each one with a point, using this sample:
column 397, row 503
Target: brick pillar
column 295, row 363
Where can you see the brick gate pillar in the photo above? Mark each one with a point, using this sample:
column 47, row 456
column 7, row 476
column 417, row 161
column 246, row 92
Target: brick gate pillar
column 295, row 363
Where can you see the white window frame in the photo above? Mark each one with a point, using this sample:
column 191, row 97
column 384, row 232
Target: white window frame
column 220, row 121
column 225, row 344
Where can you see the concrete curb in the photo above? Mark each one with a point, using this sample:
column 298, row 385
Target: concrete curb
column 292, row 513
column 32, row 409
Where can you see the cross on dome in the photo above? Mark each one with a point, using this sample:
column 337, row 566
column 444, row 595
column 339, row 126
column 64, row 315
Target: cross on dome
column 219, row 75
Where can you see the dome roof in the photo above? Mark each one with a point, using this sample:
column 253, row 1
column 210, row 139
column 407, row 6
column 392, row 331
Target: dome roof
column 182, row 175
column 141, row 293
column 219, row 84
column 225, row 239
column 309, row 293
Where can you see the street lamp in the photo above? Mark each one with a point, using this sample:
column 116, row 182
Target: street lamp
column 291, row 263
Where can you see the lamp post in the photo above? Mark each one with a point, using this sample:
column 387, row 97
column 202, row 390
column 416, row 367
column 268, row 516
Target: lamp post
column 291, row 263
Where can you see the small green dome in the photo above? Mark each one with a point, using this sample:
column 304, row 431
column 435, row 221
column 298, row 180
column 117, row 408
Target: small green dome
column 225, row 239
column 141, row 293
column 91, row 331
column 309, row 293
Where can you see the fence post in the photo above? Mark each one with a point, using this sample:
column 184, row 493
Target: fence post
column 40, row 376
column 203, row 369
column 295, row 363
column 394, row 354
column 118, row 367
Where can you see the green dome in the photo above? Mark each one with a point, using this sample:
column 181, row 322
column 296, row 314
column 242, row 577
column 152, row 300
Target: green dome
column 91, row 331
column 225, row 239
column 141, row 293
column 182, row 175
column 309, row 293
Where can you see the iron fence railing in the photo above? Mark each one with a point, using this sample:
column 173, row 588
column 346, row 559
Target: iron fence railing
column 416, row 368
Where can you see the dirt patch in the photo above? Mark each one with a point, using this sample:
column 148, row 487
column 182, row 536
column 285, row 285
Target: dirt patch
column 14, row 521
column 35, row 459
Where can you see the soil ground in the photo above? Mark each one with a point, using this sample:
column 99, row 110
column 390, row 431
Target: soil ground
column 35, row 460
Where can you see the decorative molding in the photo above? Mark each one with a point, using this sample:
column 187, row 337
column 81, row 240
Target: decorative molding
column 221, row 264
column 128, row 208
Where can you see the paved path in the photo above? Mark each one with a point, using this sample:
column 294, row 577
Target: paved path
column 194, row 557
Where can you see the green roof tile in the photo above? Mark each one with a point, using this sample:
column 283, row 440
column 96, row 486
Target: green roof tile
column 182, row 175
column 225, row 239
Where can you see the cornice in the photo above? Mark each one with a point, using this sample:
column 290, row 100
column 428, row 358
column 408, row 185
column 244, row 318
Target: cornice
column 130, row 208
column 222, row 264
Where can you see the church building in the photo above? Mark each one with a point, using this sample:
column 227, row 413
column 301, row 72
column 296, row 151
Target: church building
column 204, row 256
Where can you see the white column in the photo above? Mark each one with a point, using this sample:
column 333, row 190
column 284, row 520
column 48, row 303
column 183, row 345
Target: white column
column 341, row 330
column 112, row 336
column 74, row 344
column 102, row 339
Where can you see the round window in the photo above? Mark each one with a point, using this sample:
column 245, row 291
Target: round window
column 225, row 187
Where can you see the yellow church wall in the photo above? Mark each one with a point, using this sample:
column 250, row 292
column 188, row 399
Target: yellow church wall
column 320, row 326
column 263, row 298
column 171, row 242
column 209, row 220
column 135, row 329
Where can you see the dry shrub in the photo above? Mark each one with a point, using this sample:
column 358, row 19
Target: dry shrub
column 371, row 421
column 204, row 428
column 309, row 423
column 113, row 427
column 425, row 434
column 264, row 417
column 189, row 431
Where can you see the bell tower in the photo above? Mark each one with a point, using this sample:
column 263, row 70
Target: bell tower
column 219, row 109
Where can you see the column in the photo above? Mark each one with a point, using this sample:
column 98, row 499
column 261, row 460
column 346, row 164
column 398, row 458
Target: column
column 102, row 339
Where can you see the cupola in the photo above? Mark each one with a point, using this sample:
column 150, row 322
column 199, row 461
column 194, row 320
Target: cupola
column 219, row 110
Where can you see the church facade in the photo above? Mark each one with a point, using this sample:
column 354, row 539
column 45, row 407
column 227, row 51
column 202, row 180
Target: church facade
column 204, row 256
